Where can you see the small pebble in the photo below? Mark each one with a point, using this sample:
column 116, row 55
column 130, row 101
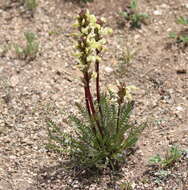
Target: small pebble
column 157, row 12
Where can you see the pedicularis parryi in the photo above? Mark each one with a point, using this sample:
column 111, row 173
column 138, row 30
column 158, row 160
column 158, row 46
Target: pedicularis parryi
column 102, row 132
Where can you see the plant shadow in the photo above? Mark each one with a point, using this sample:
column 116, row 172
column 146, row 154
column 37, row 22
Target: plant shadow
column 71, row 176
column 68, row 175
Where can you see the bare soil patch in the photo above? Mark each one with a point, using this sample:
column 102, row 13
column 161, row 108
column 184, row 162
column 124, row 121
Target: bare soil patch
column 49, row 85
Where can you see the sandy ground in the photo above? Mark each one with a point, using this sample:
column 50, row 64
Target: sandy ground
column 48, row 86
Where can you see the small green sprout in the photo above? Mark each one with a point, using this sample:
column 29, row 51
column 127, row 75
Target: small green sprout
column 173, row 155
column 133, row 4
column 127, row 55
column 132, row 15
column 31, row 5
column 173, row 35
column 182, row 36
column 155, row 159
column 30, row 51
column 182, row 20
column 126, row 58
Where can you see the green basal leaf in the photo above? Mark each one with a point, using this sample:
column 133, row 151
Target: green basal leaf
column 124, row 14
column 182, row 20
column 155, row 160
column 144, row 15
column 172, row 35
column 133, row 4
column 184, row 39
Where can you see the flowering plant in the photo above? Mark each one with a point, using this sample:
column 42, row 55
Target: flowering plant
column 102, row 132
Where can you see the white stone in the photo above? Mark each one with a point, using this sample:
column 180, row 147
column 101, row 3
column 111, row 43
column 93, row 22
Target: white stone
column 164, row 6
column 157, row 12
column 137, row 36
column 179, row 108
column 1, row 69
column 14, row 80
column 108, row 69
column 186, row 5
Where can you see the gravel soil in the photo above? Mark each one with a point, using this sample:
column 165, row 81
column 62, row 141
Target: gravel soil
column 49, row 85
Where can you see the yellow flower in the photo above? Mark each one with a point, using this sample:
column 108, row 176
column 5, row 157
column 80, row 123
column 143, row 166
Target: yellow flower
column 81, row 67
column 77, row 54
column 91, row 58
column 103, row 19
column 106, row 31
column 85, row 30
column 91, row 18
column 94, row 75
column 102, row 41
column 112, row 88
column 129, row 90
column 93, row 44
column 76, row 24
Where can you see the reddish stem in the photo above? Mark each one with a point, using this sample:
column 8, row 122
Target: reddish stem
column 88, row 106
column 118, row 118
column 97, row 85
column 87, row 102
column 89, row 99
